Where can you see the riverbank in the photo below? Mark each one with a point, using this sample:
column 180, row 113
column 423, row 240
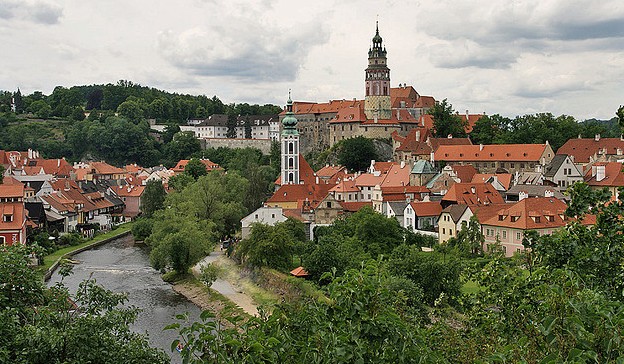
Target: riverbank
column 52, row 261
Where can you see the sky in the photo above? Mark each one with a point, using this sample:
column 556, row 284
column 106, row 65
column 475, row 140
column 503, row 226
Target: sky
column 486, row 56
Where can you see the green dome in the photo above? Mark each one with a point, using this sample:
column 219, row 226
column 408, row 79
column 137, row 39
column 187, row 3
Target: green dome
column 290, row 121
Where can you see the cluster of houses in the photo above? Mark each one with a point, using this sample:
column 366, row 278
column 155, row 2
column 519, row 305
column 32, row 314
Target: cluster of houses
column 52, row 194
column 435, row 185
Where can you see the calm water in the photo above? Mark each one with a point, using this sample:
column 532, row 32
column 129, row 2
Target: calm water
column 120, row 266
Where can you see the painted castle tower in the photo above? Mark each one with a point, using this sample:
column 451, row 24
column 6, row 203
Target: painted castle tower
column 377, row 102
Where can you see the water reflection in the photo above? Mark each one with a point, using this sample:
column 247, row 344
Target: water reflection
column 120, row 266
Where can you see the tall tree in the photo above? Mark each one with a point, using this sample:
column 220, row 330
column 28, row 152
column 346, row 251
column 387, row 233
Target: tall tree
column 153, row 197
column 445, row 121
column 195, row 168
column 356, row 153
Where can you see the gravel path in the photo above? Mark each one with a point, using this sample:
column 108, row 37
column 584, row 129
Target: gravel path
column 229, row 289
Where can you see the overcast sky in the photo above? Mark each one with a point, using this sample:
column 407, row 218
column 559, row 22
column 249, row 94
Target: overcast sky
column 500, row 57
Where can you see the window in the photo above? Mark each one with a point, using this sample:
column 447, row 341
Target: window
column 329, row 204
column 518, row 236
column 273, row 216
column 7, row 218
column 443, row 231
column 504, row 234
column 2, row 240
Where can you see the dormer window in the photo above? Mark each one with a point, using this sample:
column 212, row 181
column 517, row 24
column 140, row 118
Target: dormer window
column 7, row 218
column 537, row 219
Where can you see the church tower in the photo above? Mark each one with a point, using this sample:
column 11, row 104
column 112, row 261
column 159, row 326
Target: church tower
column 377, row 102
column 290, row 147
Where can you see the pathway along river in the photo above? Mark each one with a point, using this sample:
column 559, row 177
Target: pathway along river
column 122, row 266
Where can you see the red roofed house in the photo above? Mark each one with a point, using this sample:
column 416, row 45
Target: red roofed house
column 12, row 215
column 97, row 171
column 587, row 150
column 493, row 158
column 508, row 225
column 131, row 196
column 210, row 166
column 440, row 183
column 422, row 215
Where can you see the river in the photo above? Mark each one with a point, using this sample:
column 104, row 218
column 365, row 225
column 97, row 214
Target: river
column 122, row 266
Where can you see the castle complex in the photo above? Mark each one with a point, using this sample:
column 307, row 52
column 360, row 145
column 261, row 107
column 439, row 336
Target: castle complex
column 383, row 111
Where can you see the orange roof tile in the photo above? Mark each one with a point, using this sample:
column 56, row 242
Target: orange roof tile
column 397, row 176
column 493, row 152
column 504, row 178
column 104, row 168
column 129, row 191
column 464, row 173
column 473, row 194
column 426, row 208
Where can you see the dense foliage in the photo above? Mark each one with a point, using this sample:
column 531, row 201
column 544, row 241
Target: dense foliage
column 356, row 153
column 48, row 325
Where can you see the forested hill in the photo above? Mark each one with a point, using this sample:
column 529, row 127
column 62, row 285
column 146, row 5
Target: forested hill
column 151, row 102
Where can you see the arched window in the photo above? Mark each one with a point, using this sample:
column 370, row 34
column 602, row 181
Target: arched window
column 291, row 177
column 290, row 148
column 291, row 162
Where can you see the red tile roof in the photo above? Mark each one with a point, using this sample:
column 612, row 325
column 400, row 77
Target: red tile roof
column 12, row 191
column 104, row 168
column 129, row 191
column 494, row 152
column 473, row 194
column 613, row 174
column 530, row 213
column 345, row 186
column 210, row 166
column 354, row 206
column 426, row 208
column 584, row 148
column 465, row 173
column 397, row 176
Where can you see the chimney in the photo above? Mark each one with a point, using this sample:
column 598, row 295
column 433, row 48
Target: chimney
column 398, row 114
column 473, row 190
column 522, row 195
column 597, row 137
column 375, row 119
column 58, row 163
column 30, row 153
column 467, row 115
column 450, row 136
column 317, row 180
column 600, row 173
column 480, row 147
column 402, row 164
column 417, row 135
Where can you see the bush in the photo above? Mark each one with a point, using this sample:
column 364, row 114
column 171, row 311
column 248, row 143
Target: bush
column 71, row 239
column 142, row 228
column 208, row 274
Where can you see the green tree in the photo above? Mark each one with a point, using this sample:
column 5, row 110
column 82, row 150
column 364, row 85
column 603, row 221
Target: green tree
column 231, row 124
column 142, row 228
column 620, row 116
column 40, row 109
column 490, row 130
column 470, row 239
column 446, row 121
column 356, row 153
column 195, row 168
column 247, row 125
column 131, row 110
column 153, row 198
column 178, row 241
column 183, row 146
column 270, row 246
column 77, row 114
column 179, row 182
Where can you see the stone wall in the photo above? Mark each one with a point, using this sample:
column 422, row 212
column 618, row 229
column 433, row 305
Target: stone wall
column 263, row 144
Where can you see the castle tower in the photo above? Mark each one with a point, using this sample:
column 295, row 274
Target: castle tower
column 377, row 100
column 290, row 147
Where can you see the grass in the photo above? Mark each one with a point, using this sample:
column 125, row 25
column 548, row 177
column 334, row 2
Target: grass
column 48, row 260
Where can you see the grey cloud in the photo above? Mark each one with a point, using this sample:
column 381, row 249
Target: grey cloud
column 249, row 52
column 469, row 54
column 549, row 90
column 40, row 12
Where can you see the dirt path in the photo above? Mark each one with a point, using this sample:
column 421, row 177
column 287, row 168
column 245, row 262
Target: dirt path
column 230, row 286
